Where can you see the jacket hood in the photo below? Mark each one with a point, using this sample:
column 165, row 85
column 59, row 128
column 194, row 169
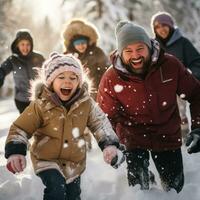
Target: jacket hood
column 80, row 27
column 22, row 34
column 175, row 36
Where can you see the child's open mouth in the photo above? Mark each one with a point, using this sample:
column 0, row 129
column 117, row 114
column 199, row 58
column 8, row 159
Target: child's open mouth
column 65, row 91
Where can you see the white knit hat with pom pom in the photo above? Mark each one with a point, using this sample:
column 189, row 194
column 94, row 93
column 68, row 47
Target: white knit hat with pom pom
column 59, row 63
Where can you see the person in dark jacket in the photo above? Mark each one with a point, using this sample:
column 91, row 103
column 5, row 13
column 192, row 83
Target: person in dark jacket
column 80, row 39
column 23, row 63
column 173, row 42
column 138, row 93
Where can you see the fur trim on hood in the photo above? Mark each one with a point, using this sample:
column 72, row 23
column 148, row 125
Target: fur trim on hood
column 37, row 87
column 80, row 27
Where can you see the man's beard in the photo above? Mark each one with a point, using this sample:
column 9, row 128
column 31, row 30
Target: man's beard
column 142, row 71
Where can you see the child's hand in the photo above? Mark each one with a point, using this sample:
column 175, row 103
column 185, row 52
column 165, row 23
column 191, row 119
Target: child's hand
column 118, row 159
column 16, row 163
column 109, row 153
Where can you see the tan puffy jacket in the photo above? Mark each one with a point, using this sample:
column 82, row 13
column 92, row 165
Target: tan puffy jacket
column 59, row 134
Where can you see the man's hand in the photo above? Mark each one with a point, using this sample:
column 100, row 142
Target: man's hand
column 193, row 141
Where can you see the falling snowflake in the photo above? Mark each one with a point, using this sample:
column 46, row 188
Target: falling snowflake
column 65, row 145
column 118, row 88
column 164, row 103
column 81, row 143
column 55, row 129
column 75, row 132
column 182, row 96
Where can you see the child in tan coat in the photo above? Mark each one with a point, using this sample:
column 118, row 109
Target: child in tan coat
column 60, row 110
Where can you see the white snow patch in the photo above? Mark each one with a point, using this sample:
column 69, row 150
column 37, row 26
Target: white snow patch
column 75, row 132
column 118, row 88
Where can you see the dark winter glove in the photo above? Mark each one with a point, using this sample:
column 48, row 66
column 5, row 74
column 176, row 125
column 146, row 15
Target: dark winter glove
column 119, row 158
column 193, row 141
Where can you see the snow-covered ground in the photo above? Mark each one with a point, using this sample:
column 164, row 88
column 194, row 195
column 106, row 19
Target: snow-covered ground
column 99, row 181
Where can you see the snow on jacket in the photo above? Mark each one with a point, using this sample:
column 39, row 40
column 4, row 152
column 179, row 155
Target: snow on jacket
column 94, row 59
column 144, row 113
column 59, row 133
column 184, row 50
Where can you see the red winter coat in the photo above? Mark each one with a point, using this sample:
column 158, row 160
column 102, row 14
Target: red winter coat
column 144, row 113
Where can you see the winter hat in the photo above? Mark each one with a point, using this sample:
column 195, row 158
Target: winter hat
column 129, row 33
column 75, row 28
column 162, row 18
column 22, row 34
column 59, row 63
column 78, row 39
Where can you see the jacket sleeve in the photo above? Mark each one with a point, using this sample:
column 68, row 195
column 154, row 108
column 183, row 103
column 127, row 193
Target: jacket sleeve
column 192, row 58
column 108, row 101
column 5, row 68
column 100, row 126
column 22, row 129
column 189, row 89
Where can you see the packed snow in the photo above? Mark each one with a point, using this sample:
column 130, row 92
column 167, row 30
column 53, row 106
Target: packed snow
column 100, row 181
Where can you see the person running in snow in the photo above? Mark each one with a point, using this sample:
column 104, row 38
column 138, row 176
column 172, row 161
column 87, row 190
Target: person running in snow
column 23, row 63
column 80, row 39
column 173, row 42
column 60, row 110
column 138, row 93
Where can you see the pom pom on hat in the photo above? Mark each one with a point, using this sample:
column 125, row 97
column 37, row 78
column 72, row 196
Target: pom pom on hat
column 129, row 33
column 59, row 63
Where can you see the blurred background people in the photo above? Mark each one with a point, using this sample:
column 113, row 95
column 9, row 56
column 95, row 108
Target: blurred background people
column 80, row 39
column 23, row 63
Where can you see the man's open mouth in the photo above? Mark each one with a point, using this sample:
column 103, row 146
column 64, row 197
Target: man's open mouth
column 135, row 62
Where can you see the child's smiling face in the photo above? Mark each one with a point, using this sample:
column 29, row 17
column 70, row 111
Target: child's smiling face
column 65, row 85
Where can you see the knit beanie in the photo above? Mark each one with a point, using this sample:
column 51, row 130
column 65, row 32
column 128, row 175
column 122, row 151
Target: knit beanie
column 59, row 63
column 129, row 33
column 162, row 18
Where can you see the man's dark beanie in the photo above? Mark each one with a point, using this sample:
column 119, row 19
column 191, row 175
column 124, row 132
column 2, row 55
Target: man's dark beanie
column 128, row 33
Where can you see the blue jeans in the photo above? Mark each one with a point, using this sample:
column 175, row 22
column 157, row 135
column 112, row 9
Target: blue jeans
column 56, row 187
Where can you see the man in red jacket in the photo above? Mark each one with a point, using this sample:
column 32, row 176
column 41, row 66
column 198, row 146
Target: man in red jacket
column 138, row 92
